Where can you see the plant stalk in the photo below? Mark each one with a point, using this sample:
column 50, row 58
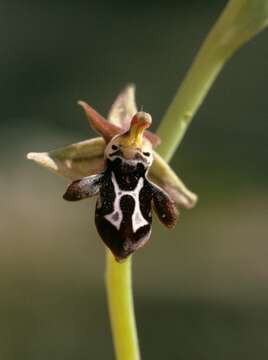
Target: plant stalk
column 239, row 22
column 121, row 309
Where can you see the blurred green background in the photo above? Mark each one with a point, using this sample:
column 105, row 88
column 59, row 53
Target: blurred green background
column 201, row 290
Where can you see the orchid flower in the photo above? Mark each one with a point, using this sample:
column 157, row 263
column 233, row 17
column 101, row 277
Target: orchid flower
column 87, row 158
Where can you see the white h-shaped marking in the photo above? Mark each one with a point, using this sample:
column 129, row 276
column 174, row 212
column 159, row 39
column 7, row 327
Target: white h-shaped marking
column 116, row 217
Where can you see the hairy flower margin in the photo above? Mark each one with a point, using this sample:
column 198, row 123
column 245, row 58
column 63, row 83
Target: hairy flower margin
column 87, row 157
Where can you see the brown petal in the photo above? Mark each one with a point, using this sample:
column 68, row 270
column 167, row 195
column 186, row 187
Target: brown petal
column 98, row 123
column 83, row 188
column 165, row 208
column 162, row 174
column 74, row 161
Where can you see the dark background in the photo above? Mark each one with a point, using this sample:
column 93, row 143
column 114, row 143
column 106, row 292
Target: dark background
column 201, row 291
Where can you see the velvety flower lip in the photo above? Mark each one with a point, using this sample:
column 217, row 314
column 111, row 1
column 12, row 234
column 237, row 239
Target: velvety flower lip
column 87, row 157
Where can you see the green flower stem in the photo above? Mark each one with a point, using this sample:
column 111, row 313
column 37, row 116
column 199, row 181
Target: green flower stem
column 239, row 22
column 121, row 309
